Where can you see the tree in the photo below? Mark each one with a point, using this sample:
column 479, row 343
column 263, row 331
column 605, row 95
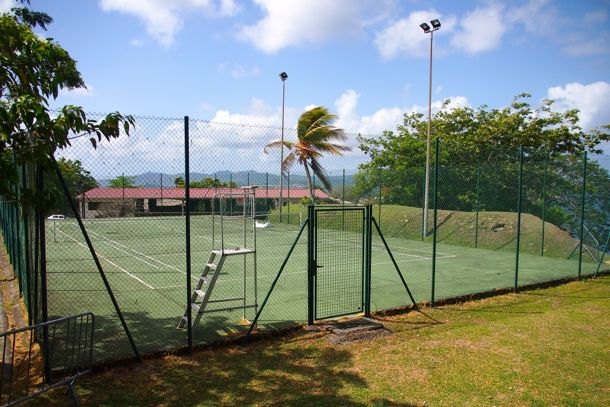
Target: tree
column 33, row 70
column 123, row 181
column 78, row 180
column 315, row 136
column 479, row 161
column 179, row 182
column 212, row 183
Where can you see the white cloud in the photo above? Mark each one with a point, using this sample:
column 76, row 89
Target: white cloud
column 89, row 90
column 294, row 22
column 240, row 71
column 6, row 5
column 136, row 43
column 386, row 118
column 406, row 36
column 163, row 18
column 481, row 29
column 591, row 100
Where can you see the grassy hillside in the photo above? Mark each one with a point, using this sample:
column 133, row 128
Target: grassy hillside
column 496, row 230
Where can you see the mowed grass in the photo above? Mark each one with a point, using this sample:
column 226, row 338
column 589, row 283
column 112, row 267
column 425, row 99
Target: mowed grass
column 495, row 231
column 540, row 347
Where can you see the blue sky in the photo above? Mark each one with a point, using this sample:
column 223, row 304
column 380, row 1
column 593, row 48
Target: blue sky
column 367, row 60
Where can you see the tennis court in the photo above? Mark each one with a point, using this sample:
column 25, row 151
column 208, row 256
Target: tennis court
column 144, row 259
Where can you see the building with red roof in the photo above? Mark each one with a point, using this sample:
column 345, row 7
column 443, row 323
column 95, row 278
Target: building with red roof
column 110, row 202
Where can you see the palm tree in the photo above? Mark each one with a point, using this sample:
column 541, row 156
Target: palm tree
column 315, row 135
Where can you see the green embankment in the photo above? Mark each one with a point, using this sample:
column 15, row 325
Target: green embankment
column 496, row 230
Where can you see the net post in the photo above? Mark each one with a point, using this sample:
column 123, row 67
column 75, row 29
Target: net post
column 582, row 211
column 187, row 242
column 434, row 232
column 311, row 266
column 519, row 192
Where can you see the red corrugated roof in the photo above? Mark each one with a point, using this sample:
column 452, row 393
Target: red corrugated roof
column 196, row 193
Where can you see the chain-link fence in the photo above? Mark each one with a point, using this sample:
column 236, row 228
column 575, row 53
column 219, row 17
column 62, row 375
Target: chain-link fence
column 162, row 208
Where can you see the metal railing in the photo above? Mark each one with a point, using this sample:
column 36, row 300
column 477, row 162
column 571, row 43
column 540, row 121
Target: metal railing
column 41, row 357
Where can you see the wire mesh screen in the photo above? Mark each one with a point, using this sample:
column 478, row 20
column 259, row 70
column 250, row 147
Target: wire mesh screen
column 339, row 257
column 502, row 221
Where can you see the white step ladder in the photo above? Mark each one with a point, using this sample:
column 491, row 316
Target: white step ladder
column 200, row 297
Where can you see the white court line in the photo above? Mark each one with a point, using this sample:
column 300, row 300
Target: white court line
column 109, row 261
column 129, row 254
column 152, row 258
column 135, row 251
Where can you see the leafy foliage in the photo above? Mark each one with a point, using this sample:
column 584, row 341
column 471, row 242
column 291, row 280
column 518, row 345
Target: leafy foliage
column 123, row 181
column 479, row 162
column 33, row 70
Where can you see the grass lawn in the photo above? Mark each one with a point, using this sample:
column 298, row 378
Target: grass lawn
column 541, row 347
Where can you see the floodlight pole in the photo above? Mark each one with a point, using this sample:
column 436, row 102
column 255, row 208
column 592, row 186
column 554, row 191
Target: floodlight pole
column 283, row 77
column 427, row 184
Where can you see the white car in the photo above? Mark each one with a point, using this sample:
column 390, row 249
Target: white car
column 56, row 217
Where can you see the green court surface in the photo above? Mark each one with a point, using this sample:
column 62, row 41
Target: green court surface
column 144, row 259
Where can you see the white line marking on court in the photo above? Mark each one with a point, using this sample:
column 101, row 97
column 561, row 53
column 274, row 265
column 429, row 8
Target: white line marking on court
column 109, row 261
column 129, row 254
column 142, row 254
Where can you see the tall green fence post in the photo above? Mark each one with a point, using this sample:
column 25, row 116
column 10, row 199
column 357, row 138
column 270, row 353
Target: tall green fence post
column 187, row 242
column 311, row 264
column 543, row 204
column 520, row 187
column 434, row 231
column 314, row 188
column 379, row 199
column 343, row 200
column 582, row 211
column 267, row 192
column 476, row 218
column 423, row 214
column 43, row 273
column 288, row 192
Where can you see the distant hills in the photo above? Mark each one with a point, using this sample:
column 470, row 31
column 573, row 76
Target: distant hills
column 261, row 179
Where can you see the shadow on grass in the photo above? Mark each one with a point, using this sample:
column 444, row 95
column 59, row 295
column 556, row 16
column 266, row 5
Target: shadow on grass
column 280, row 375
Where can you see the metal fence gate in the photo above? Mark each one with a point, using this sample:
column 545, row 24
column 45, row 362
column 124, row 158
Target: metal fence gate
column 338, row 261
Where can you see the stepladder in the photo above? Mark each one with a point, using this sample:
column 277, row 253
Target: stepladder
column 202, row 301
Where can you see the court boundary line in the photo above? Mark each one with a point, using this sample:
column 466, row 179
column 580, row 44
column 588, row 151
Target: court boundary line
column 109, row 261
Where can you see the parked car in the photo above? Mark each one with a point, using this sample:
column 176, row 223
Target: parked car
column 56, row 217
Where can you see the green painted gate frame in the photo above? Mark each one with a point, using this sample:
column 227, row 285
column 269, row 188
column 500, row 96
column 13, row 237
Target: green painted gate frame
column 369, row 222
column 312, row 265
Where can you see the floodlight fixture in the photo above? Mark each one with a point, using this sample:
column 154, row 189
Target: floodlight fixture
column 436, row 25
column 283, row 77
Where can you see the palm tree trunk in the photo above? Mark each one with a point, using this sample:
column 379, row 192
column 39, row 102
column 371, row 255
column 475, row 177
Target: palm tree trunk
column 309, row 184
